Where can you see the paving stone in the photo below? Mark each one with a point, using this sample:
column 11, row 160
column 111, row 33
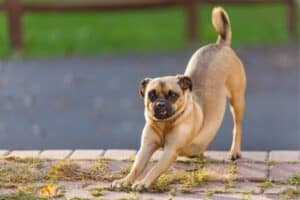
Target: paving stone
column 238, row 196
column 153, row 196
column 238, row 187
column 96, row 184
column 108, row 195
column 194, row 196
column 3, row 153
column 247, row 156
column 75, row 189
column 251, row 171
column 86, row 154
column 245, row 187
column 24, row 154
column 78, row 193
column 277, row 189
column 282, row 171
column 254, row 156
column 218, row 171
column 284, row 156
column 262, row 197
column 246, row 171
column 209, row 186
column 5, row 191
column 55, row 154
column 227, row 197
column 68, row 185
column 219, row 156
column 119, row 154
column 181, row 166
column 116, row 166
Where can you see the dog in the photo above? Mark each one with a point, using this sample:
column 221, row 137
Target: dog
column 184, row 112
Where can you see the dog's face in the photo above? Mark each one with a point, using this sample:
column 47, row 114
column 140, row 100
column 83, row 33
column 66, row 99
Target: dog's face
column 165, row 96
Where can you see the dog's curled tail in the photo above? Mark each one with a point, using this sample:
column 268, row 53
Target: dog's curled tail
column 221, row 23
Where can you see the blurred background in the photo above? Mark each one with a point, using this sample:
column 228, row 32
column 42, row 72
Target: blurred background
column 70, row 70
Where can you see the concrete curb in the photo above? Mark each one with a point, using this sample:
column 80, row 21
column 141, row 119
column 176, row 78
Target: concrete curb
column 129, row 154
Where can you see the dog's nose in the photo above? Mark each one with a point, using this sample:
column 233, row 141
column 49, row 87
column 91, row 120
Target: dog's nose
column 160, row 104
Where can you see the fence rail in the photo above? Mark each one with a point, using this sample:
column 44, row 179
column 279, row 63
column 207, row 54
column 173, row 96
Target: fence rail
column 15, row 9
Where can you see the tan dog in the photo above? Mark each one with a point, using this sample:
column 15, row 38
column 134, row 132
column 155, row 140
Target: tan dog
column 184, row 112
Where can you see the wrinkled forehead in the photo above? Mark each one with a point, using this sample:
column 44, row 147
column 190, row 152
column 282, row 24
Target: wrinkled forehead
column 163, row 85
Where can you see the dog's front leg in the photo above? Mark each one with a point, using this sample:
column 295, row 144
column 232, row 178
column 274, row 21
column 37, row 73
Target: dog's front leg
column 168, row 157
column 149, row 145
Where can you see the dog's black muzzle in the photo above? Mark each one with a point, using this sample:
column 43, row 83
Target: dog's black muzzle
column 162, row 109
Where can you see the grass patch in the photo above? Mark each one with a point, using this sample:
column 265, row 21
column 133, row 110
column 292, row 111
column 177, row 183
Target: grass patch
column 126, row 170
column 21, row 196
column 246, row 196
column 198, row 177
column 99, row 169
column 29, row 160
column 295, row 180
column 271, row 163
column 265, row 185
column 290, row 193
column 210, row 193
column 132, row 196
column 64, row 170
column 19, row 171
column 231, row 176
column 97, row 192
column 188, row 179
column 163, row 183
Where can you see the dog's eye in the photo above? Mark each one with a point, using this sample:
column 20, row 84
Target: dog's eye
column 152, row 95
column 172, row 96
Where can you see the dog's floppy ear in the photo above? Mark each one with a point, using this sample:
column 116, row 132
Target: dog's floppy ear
column 143, row 85
column 185, row 82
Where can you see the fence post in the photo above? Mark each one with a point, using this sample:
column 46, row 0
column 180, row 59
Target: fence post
column 292, row 18
column 191, row 20
column 14, row 22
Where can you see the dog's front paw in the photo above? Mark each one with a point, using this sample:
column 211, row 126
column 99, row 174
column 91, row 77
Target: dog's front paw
column 140, row 186
column 234, row 155
column 120, row 183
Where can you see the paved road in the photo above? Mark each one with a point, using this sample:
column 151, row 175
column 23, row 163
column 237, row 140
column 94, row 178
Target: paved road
column 93, row 102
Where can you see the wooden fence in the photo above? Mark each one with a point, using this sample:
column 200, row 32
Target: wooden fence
column 15, row 9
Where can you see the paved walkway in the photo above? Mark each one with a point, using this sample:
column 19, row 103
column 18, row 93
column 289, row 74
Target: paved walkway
column 87, row 174
column 94, row 102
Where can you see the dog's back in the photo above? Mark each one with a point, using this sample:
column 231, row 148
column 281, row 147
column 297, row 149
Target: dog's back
column 210, row 68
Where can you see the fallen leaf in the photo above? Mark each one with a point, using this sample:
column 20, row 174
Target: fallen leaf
column 51, row 190
column 10, row 158
column 48, row 190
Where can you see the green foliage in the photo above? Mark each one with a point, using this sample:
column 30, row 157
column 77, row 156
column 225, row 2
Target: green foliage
column 295, row 180
column 63, row 34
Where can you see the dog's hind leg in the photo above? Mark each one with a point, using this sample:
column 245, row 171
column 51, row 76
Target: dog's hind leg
column 236, row 86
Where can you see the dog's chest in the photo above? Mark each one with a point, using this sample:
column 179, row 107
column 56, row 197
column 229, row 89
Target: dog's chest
column 162, row 129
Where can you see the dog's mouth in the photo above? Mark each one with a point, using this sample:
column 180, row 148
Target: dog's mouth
column 162, row 114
